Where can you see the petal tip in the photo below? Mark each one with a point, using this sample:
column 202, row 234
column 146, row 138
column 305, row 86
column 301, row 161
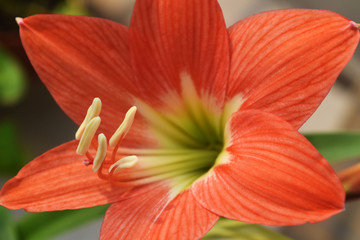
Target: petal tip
column 355, row 25
column 19, row 20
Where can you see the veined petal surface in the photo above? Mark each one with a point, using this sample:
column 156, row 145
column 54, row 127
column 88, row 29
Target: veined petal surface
column 156, row 215
column 270, row 175
column 169, row 38
column 286, row 61
column 80, row 58
column 58, row 180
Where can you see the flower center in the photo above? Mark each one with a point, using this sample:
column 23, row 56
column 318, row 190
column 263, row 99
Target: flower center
column 187, row 141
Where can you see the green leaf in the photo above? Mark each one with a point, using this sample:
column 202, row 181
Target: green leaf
column 230, row 229
column 12, row 154
column 12, row 80
column 7, row 227
column 41, row 226
column 336, row 146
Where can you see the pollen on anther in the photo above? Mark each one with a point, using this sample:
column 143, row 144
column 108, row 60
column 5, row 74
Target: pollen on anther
column 101, row 152
column 124, row 127
column 88, row 135
column 125, row 162
column 93, row 111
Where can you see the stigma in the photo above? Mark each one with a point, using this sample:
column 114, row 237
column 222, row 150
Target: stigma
column 87, row 131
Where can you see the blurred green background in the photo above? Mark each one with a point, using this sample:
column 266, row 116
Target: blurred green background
column 31, row 122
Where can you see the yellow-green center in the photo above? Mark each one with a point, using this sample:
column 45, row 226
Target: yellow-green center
column 191, row 137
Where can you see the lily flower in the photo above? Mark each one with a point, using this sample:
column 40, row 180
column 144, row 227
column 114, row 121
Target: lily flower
column 208, row 117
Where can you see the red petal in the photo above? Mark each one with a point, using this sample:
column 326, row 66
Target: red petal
column 272, row 175
column 183, row 218
column 79, row 58
column 286, row 61
column 169, row 38
column 155, row 216
column 57, row 180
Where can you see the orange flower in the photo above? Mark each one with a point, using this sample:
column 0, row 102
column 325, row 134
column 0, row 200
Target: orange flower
column 214, row 131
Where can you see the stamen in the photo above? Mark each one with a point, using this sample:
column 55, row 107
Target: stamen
column 88, row 135
column 101, row 152
column 126, row 162
column 93, row 111
column 124, row 127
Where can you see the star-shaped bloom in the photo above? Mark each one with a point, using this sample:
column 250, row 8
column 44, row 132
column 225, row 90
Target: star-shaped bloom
column 213, row 123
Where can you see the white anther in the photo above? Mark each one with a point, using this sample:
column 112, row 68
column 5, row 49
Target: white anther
column 88, row 135
column 93, row 111
column 125, row 162
column 101, row 152
column 124, row 127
